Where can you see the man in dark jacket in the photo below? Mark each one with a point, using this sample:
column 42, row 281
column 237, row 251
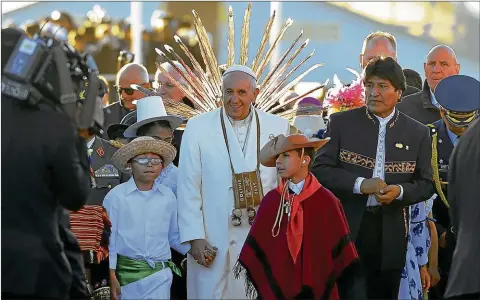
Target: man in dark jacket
column 458, row 96
column 441, row 62
column 377, row 162
column 464, row 175
column 44, row 166
column 129, row 74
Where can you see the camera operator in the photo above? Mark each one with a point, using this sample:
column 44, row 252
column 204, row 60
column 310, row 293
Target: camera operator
column 44, row 169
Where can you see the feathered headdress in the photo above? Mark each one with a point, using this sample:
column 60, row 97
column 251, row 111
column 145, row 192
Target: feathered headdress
column 345, row 97
column 205, row 86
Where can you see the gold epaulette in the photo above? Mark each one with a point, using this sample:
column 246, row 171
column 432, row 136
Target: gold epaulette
column 116, row 144
column 436, row 173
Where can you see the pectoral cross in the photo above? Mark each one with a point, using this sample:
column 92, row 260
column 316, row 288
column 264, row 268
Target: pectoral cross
column 288, row 208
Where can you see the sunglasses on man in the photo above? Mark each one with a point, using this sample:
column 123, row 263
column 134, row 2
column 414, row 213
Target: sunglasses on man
column 128, row 90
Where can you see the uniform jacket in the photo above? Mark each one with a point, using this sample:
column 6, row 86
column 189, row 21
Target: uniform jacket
column 419, row 106
column 464, row 176
column 205, row 197
column 44, row 167
column 106, row 175
column 440, row 210
column 351, row 153
column 113, row 114
column 444, row 150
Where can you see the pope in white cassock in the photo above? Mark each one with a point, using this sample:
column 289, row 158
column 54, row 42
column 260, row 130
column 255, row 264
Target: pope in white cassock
column 218, row 165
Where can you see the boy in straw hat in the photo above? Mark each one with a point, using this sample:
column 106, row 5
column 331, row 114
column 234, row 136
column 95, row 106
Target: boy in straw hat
column 287, row 254
column 144, row 223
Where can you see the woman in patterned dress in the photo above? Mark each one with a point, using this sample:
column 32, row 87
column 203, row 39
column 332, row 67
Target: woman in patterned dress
column 415, row 278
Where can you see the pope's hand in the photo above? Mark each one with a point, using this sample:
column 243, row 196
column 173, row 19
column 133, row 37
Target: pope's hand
column 203, row 252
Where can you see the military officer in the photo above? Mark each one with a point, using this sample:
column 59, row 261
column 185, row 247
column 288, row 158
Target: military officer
column 458, row 110
column 90, row 224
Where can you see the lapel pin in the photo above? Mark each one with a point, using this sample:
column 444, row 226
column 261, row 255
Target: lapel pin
column 100, row 152
column 406, row 147
column 439, row 141
column 399, row 145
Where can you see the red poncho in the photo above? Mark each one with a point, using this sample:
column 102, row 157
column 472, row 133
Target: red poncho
column 318, row 239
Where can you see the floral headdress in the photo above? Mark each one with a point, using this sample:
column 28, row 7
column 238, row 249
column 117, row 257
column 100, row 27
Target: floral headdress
column 345, row 97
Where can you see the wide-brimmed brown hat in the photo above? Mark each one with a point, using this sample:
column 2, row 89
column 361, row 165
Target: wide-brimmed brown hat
column 280, row 144
column 142, row 145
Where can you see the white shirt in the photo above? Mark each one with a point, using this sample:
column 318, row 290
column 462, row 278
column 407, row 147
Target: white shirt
column 434, row 100
column 90, row 143
column 379, row 170
column 242, row 129
column 296, row 187
column 168, row 177
column 144, row 223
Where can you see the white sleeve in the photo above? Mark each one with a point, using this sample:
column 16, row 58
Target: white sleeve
column 110, row 204
column 190, row 215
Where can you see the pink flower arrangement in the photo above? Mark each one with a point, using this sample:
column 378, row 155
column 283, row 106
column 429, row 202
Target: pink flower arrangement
column 345, row 97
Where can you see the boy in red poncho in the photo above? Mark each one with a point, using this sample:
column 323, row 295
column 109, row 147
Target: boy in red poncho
column 299, row 245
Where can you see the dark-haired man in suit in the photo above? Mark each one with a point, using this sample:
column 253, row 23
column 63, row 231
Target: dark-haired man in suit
column 377, row 162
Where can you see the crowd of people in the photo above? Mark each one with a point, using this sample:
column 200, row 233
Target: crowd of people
column 349, row 200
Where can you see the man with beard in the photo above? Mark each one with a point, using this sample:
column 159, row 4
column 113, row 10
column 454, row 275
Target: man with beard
column 441, row 62
column 378, row 162
column 129, row 74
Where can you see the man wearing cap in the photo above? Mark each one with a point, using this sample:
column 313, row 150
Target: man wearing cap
column 377, row 162
column 221, row 183
column 459, row 103
column 464, row 176
column 129, row 74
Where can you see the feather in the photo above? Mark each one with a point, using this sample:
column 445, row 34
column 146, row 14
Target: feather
column 231, row 39
column 245, row 36
column 263, row 43
column 269, row 54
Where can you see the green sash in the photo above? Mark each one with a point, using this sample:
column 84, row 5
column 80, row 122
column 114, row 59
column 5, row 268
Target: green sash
column 131, row 270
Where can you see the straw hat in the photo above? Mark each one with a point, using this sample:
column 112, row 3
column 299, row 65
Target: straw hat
column 281, row 144
column 142, row 145
column 150, row 109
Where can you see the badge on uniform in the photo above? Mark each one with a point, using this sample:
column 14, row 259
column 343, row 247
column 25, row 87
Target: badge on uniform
column 107, row 171
column 100, row 152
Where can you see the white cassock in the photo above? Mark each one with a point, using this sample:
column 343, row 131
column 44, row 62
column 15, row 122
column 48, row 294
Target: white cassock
column 205, row 196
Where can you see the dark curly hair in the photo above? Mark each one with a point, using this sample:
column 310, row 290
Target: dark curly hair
column 386, row 68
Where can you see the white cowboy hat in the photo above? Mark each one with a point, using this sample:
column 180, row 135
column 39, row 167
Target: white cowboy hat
column 142, row 145
column 150, row 109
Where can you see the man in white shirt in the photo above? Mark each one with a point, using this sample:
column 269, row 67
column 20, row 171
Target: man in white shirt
column 217, row 147
column 377, row 162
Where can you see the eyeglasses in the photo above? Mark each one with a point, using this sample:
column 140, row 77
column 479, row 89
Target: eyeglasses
column 129, row 91
column 144, row 161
